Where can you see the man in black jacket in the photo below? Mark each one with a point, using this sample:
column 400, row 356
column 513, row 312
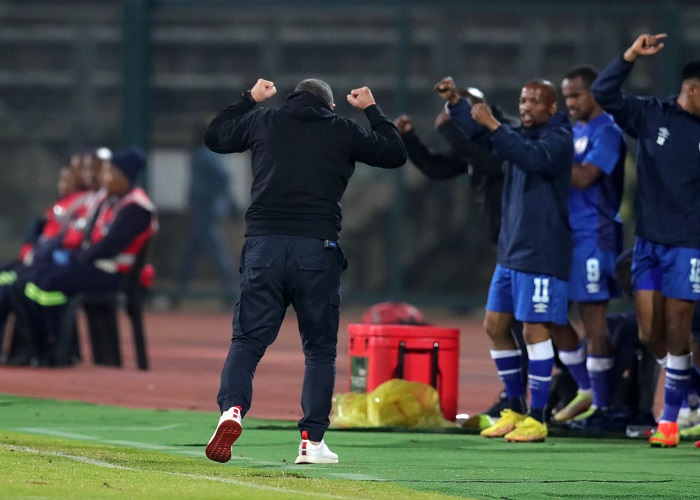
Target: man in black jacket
column 464, row 156
column 303, row 155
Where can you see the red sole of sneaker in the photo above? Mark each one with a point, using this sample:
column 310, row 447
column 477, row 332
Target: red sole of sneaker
column 219, row 448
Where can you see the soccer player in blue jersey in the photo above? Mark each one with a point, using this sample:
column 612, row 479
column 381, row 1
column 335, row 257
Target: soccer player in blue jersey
column 597, row 178
column 535, row 245
column 666, row 261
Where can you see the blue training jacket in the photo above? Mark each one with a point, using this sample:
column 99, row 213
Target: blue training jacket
column 535, row 235
column 667, row 203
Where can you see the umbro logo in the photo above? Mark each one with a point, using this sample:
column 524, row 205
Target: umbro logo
column 540, row 308
column 663, row 135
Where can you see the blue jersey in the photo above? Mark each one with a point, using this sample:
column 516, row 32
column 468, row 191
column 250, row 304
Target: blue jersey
column 535, row 235
column 668, row 159
column 594, row 212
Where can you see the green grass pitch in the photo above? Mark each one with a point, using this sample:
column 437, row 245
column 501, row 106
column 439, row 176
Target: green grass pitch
column 53, row 449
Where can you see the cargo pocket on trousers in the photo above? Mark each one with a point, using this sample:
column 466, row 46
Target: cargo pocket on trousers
column 253, row 309
column 334, row 312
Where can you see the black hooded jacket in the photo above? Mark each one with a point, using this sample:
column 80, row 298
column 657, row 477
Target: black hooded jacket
column 303, row 155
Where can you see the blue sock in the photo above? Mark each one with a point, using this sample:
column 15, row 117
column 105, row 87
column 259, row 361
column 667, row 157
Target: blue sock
column 539, row 376
column 508, row 366
column 677, row 380
column 599, row 369
column 575, row 362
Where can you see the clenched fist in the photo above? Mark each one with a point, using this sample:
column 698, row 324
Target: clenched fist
column 404, row 123
column 262, row 90
column 361, row 98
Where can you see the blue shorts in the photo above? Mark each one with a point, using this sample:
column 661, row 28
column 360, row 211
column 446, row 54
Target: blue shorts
column 593, row 274
column 675, row 271
column 532, row 298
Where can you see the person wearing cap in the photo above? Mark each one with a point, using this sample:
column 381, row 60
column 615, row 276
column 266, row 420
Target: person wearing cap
column 125, row 220
column 303, row 157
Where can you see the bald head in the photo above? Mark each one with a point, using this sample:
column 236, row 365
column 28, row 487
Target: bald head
column 548, row 92
column 538, row 103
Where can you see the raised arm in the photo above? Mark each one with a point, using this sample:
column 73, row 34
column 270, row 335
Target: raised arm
column 645, row 45
column 548, row 155
column 481, row 159
column 225, row 133
column 460, row 111
column 433, row 164
column 627, row 109
column 382, row 146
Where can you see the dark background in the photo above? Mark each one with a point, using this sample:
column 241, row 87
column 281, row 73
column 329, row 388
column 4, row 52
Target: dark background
column 114, row 73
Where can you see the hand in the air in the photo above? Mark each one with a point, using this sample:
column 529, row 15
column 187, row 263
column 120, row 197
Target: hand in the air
column 262, row 90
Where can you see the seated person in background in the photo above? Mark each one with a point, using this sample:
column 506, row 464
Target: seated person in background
column 44, row 230
column 122, row 225
column 61, row 226
column 50, row 225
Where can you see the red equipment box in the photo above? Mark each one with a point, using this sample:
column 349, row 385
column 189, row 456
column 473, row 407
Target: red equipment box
column 424, row 354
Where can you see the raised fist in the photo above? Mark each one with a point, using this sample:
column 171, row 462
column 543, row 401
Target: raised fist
column 404, row 123
column 361, row 98
column 262, row 90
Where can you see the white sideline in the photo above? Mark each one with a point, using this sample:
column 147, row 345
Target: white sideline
column 102, row 463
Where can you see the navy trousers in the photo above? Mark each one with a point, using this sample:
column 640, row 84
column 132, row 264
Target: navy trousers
column 278, row 271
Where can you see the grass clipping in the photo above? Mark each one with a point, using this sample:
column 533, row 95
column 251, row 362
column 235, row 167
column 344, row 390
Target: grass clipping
column 395, row 403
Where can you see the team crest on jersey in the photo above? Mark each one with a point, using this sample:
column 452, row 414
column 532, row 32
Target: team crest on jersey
column 663, row 135
column 581, row 144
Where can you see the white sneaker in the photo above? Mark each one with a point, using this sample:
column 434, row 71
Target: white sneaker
column 310, row 453
column 226, row 433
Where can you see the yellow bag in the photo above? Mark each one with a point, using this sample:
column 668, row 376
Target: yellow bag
column 395, row 403
column 350, row 410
